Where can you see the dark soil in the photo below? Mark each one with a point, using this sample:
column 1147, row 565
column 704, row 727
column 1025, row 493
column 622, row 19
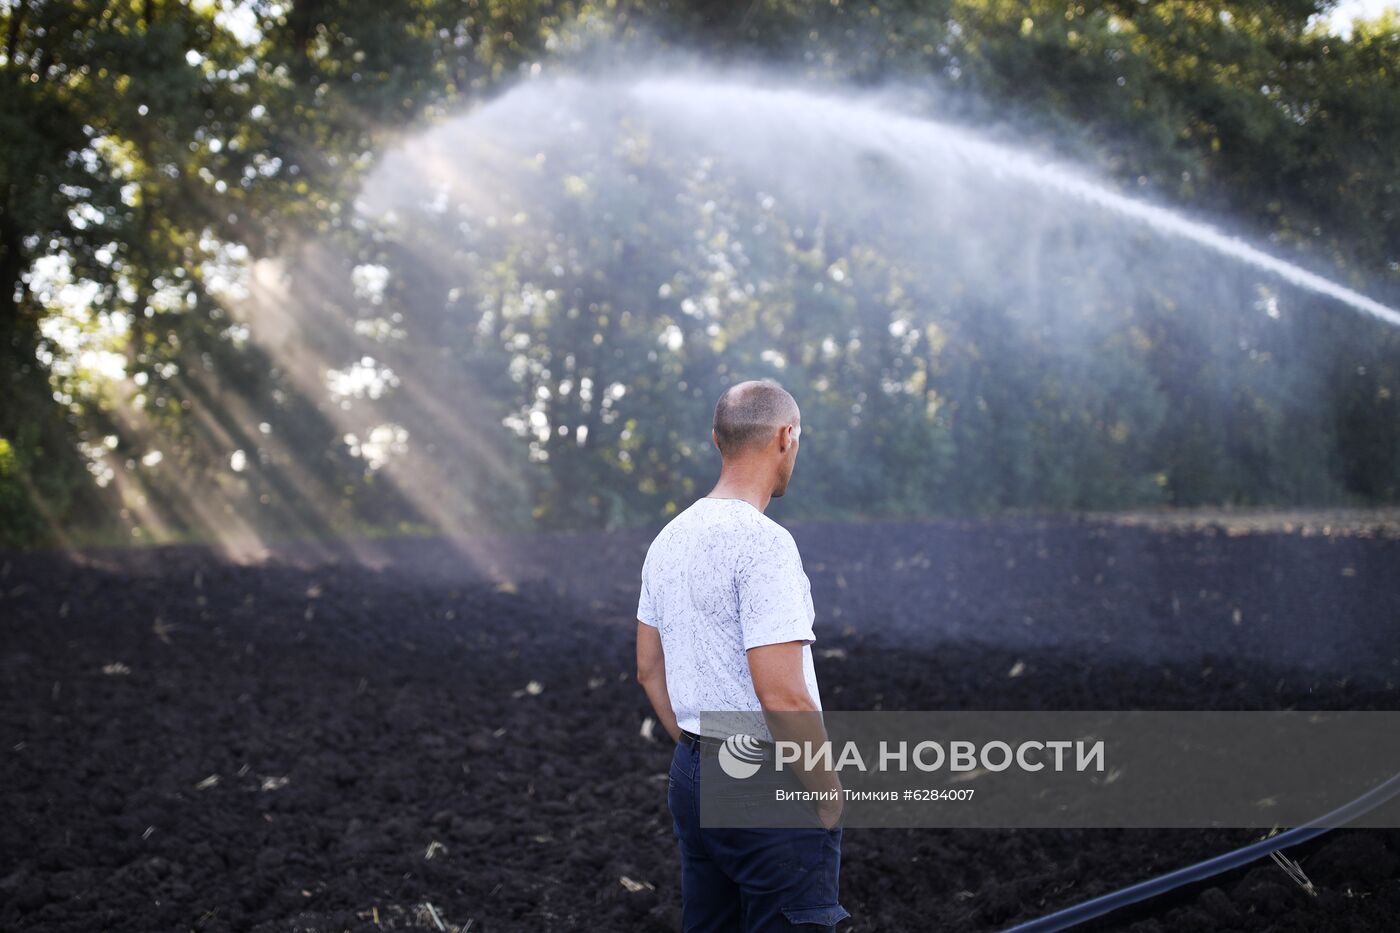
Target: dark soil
column 321, row 745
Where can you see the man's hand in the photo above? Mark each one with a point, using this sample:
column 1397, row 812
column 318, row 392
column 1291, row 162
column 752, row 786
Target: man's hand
column 651, row 674
column 829, row 811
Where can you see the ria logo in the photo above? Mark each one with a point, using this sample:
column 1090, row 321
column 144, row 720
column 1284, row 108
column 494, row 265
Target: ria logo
column 740, row 756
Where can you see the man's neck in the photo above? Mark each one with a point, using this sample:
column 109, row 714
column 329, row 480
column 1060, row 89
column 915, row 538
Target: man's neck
column 738, row 483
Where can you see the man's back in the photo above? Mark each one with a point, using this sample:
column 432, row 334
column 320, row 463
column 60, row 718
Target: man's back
column 719, row 579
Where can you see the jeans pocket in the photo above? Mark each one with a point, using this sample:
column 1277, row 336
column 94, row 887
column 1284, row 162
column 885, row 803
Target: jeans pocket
column 825, row 916
column 679, row 760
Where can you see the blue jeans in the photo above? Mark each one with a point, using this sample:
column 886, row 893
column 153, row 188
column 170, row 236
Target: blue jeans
column 751, row 880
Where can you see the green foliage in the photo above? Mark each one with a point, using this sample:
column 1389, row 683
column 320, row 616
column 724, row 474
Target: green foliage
column 154, row 152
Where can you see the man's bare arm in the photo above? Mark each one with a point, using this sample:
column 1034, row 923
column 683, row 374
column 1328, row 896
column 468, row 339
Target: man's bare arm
column 792, row 715
column 651, row 674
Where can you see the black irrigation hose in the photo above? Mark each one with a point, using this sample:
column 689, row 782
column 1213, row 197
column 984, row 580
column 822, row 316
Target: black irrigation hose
column 1106, row 903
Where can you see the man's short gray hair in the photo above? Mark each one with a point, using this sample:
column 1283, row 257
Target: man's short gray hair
column 749, row 413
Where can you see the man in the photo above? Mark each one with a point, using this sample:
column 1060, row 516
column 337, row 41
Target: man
column 725, row 623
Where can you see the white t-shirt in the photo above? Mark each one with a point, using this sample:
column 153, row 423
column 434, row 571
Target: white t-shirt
column 719, row 579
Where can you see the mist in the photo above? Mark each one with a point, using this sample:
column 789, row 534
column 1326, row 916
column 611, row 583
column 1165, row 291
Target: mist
column 971, row 323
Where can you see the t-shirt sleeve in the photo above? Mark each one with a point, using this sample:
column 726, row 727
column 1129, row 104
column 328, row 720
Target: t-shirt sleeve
column 775, row 601
column 646, row 606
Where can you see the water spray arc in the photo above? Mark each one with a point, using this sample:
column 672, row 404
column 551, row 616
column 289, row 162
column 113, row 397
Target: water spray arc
column 914, row 140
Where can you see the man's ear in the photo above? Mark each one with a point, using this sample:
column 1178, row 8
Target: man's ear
column 714, row 439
